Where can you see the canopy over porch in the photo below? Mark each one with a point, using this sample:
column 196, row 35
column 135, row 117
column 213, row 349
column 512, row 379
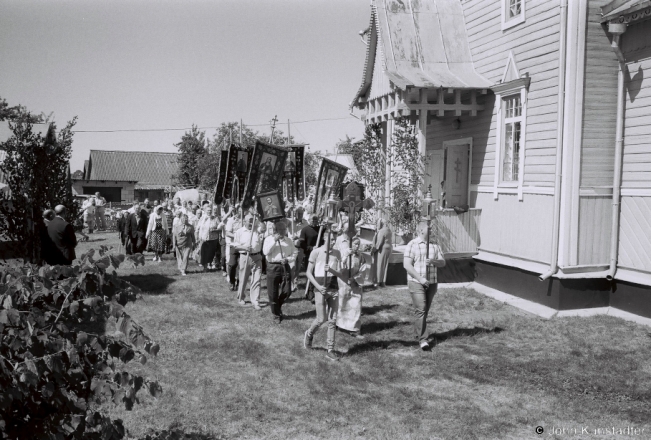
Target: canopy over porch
column 418, row 58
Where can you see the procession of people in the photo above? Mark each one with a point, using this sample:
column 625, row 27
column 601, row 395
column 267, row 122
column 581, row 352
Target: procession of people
column 273, row 243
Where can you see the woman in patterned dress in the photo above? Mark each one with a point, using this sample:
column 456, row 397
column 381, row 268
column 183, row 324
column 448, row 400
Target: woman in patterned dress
column 157, row 233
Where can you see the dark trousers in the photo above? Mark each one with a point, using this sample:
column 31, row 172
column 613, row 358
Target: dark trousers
column 233, row 263
column 275, row 275
column 264, row 264
column 209, row 249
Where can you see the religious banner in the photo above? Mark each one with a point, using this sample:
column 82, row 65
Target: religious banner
column 294, row 175
column 266, row 171
column 236, row 171
column 221, row 179
column 270, row 206
column 331, row 175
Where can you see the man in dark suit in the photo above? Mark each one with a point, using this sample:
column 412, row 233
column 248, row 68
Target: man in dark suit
column 131, row 228
column 63, row 238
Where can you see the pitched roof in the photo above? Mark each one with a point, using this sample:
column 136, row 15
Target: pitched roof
column 150, row 169
column 423, row 44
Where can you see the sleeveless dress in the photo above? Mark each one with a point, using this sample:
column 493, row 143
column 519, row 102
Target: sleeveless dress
column 157, row 237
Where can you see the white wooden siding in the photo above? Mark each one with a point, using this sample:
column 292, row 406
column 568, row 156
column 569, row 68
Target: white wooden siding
column 637, row 126
column 535, row 45
column 513, row 228
column 600, row 103
column 595, row 220
column 635, row 234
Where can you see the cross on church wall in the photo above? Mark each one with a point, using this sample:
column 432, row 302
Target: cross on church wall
column 457, row 169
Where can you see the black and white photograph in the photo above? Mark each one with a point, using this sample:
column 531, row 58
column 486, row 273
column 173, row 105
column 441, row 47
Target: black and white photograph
column 325, row 219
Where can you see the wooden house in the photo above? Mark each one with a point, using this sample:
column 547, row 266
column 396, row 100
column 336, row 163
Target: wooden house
column 533, row 113
column 124, row 176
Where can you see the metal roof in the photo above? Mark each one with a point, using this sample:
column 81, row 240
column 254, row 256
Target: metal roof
column 423, row 44
column 149, row 169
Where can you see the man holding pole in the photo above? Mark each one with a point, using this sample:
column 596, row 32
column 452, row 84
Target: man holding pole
column 248, row 242
column 280, row 253
column 420, row 256
column 322, row 262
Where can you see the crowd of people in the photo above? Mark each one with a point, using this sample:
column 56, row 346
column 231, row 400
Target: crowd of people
column 223, row 238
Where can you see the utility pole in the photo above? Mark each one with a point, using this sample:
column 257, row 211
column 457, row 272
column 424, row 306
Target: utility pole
column 288, row 133
column 273, row 128
column 241, row 146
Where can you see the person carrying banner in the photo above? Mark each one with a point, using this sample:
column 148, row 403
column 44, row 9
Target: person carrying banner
column 354, row 268
column 319, row 270
column 307, row 242
column 421, row 278
column 248, row 242
column 232, row 225
column 281, row 254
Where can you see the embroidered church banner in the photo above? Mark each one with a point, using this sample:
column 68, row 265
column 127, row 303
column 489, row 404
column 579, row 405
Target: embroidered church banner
column 331, row 175
column 265, row 172
column 236, row 172
column 221, row 179
column 293, row 185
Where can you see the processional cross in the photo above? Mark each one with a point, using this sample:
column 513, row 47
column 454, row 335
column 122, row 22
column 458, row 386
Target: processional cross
column 352, row 203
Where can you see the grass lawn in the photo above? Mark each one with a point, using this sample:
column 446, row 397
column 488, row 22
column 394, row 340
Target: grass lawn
column 496, row 372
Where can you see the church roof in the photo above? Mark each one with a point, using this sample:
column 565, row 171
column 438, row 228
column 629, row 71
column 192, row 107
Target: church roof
column 422, row 44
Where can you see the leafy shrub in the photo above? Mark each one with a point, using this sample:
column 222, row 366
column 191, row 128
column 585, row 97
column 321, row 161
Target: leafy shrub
column 57, row 364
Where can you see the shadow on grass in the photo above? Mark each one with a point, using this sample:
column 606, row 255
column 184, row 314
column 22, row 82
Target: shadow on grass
column 380, row 345
column 374, row 327
column 372, row 310
column 437, row 338
column 433, row 339
column 150, row 283
column 304, row 315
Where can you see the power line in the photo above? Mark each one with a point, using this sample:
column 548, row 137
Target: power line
column 200, row 128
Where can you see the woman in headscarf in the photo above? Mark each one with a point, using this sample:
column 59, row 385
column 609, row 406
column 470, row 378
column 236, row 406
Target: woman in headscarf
column 156, row 232
column 208, row 234
column 382, row 248
column 183, row 242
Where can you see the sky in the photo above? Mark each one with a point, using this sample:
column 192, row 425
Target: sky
column 140, row 65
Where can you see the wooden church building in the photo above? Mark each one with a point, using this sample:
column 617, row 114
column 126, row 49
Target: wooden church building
column 536, row 114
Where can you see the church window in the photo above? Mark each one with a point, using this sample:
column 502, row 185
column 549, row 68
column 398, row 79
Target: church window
column 512, row 13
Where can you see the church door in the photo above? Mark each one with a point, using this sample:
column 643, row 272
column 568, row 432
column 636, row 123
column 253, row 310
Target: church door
column 456, row 172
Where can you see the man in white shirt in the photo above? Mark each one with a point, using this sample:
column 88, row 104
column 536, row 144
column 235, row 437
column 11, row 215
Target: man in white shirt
column 248, row 242
column 280, row 253
column 100, row 219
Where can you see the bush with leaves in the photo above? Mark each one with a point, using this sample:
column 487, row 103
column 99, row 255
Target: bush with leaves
column 38, row 178
column 57, row 364
column 407, row 178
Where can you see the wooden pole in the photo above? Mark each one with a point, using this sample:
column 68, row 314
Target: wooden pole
column 318, row 239
column 288, row 133
column 241, row 145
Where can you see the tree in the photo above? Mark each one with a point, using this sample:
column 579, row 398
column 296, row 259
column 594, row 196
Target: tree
column 19, row 113
column 407, row 178
column 312, row 162
column 192, row 155
column 77, row 175
column 229, row 132
column 38, row 178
